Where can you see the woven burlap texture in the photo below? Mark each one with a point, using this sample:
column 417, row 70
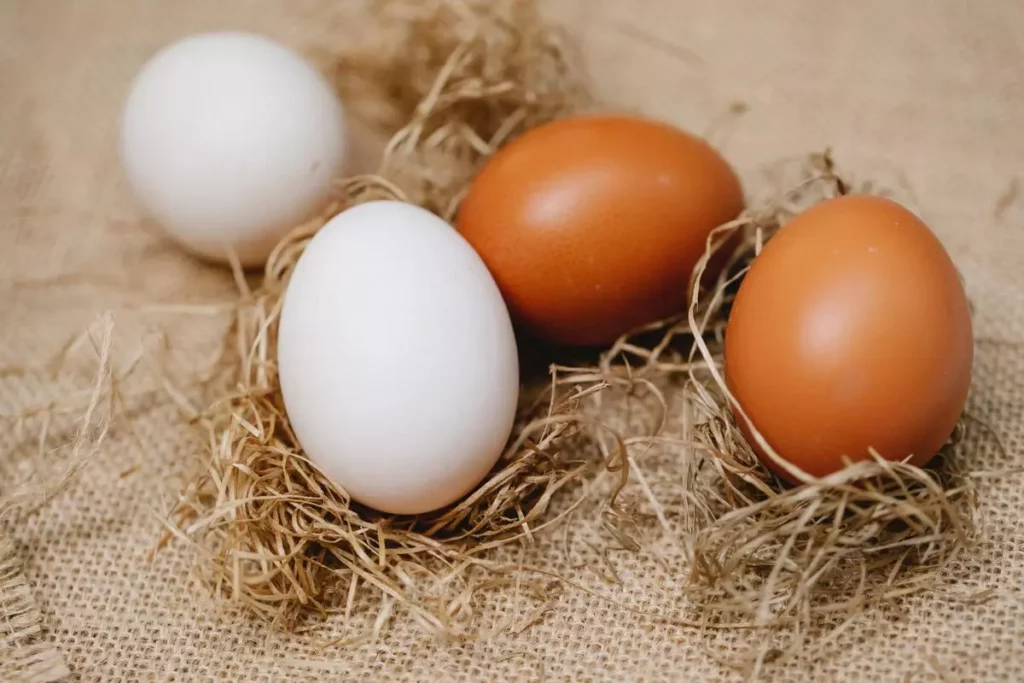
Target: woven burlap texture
column 934, row 89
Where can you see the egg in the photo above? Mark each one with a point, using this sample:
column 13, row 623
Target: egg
column 850, row 332
column 592, row 225
column 397, row 358
column 229, row 140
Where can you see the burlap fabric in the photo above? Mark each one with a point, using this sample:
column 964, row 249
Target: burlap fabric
column 933, row 88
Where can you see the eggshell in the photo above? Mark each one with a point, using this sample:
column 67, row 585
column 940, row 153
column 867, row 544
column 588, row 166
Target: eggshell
column 851, row 331
column 397, row 358
column 592, row 225
column 229, row 140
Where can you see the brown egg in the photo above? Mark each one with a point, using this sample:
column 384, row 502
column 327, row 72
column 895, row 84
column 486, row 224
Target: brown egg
column 851, row 331
column 592, row 225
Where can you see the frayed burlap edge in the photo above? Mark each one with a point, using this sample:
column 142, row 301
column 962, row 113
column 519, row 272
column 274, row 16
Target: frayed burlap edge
column 25, row 655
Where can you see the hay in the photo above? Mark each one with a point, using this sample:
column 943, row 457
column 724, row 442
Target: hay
column 279, row 538
column 461, row 78
column 54, row 469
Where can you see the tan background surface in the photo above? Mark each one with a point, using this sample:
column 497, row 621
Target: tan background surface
column 934, row 88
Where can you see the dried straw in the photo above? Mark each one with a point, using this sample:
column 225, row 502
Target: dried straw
column 461, row 78
column 55, row 468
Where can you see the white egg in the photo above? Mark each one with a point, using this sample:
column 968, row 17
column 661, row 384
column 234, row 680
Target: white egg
column 397, row 359
column 229, row 139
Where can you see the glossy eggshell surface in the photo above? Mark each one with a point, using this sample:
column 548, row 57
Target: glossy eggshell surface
column 592, row 225
column 851, row 331
column 397, row 358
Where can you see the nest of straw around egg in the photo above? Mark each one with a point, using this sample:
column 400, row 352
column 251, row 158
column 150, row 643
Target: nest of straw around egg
column 280, row 538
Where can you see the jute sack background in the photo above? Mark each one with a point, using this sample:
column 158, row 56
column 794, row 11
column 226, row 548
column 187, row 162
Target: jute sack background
column 931, row 89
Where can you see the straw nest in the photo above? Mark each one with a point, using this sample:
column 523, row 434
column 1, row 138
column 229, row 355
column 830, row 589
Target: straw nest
column 280, row 538
column 798, row 561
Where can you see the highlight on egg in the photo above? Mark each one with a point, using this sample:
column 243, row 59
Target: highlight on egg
column 229, row 140
column 850, row 335
column 397, row 359
column 592, row 225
